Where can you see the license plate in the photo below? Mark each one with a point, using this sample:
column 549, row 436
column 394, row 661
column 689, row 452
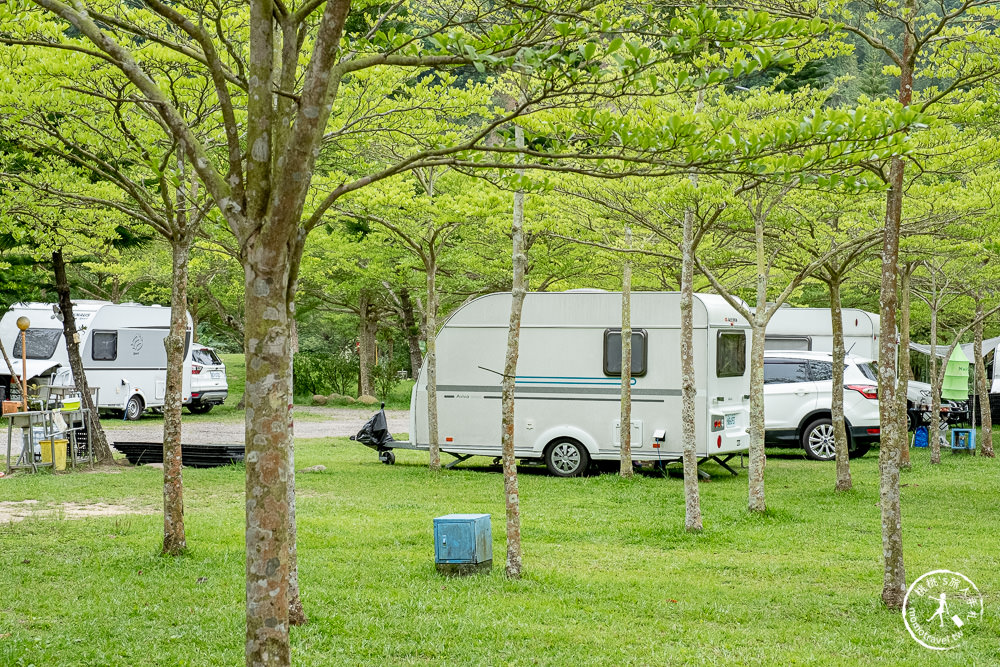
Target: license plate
column 730, row 421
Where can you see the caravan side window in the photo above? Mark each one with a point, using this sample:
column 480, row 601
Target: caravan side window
column 613, row 352
column 104, row 346
column 731, row 354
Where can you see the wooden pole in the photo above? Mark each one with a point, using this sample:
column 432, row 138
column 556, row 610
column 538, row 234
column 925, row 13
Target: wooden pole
column 24, row 370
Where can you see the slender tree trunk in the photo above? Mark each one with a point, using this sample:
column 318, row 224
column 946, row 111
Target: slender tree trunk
column 412, row 332
column 903, row 380
column 625, row 424
column 757, row 458
column 689, row 389
column 174, row 540
column 893, row 431
column 366, row 343
column 519, row 288
column 269, row 459
column 99, row 441
column 983, row 385
column 431, row 359
column 935, row 427
column 837, row 406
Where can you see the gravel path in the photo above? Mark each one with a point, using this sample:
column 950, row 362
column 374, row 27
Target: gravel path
column 322, row 422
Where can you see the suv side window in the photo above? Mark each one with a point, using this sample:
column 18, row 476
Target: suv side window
column 821, row 370
column 780, row 371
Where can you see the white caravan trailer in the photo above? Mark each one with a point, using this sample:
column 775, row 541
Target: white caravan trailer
column 811, row 329
column 568, row 379
column 121, row 346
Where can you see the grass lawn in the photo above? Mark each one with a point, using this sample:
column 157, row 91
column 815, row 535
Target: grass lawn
column 610, row 578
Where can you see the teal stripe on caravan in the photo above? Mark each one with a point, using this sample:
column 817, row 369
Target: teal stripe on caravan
column 576, row 389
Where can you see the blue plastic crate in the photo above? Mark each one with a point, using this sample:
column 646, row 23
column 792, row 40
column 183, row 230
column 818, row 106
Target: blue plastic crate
column 963, row 438
column 463, row 538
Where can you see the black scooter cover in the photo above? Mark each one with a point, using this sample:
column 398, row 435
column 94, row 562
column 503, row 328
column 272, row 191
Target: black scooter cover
column 375, row 432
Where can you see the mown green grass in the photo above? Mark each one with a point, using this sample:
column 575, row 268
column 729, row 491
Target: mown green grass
column 610, row 576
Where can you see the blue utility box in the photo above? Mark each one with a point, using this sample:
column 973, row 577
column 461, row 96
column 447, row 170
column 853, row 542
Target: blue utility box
column 963, row 440
column 463, row 543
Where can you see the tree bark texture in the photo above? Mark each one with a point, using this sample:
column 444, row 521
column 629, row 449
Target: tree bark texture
column 982, row 385
column 625, row 424
column 174, row 539
column 903, row 379
column 757, row 458
column 433, row 436
column 893, row 435
column 412, row 332
column 843, row 482
column 519, row 287
column 98, row 440
column 268, row 456
column 366, row 343
column 689, row 390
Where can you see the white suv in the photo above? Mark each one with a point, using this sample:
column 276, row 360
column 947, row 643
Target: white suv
column 209, row 386
column 798, row 393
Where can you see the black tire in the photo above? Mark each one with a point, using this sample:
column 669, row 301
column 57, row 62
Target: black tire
column 387, row 457
column 566, row 458
column 818, row 441
column 201, row 408
column 134, row 408
column 859, row 451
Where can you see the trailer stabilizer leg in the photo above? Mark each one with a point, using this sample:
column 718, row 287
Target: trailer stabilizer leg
column 724, row 463
column 458, row 459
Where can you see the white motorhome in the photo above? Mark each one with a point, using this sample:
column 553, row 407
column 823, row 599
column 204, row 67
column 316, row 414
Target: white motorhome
column 121, row 346
column 811, row 330
column 568, row 379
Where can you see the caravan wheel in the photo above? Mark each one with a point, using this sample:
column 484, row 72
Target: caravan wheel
column 134, row 408
column 566, row 458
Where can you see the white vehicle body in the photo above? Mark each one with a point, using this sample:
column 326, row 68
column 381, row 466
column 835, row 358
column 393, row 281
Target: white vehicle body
column 209, row 386
column 566, row 387
column 798, row 396
column 121, row 346
column 811, row 330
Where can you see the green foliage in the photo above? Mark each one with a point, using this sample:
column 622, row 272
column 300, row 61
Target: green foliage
column 385, row 377
column 324, row 372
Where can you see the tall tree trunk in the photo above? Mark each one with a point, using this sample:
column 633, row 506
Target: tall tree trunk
column 982, row 384
column 935, row 427
column 519, row 287
column 174, row 540
column 757, row 458
column 98, row 439
column 903, row 380
column 893, row 435
column 432, row 400
column 689, row 388
column 411, row 330
column 366, row 343
column 837, row 406
column 269, row 460
column 625, row 424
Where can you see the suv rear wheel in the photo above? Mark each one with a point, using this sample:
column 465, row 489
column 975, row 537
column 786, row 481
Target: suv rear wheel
column 818, row 440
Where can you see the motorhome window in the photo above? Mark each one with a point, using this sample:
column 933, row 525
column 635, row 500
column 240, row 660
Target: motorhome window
column 41, row 343
column 784, row 371
column 105, row 346
column 613, row 352
column 731, row 354
column 821, row 370
column 798, row 343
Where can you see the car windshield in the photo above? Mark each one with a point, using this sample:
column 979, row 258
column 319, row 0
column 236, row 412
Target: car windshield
column 869, row 370
column 205, row 357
